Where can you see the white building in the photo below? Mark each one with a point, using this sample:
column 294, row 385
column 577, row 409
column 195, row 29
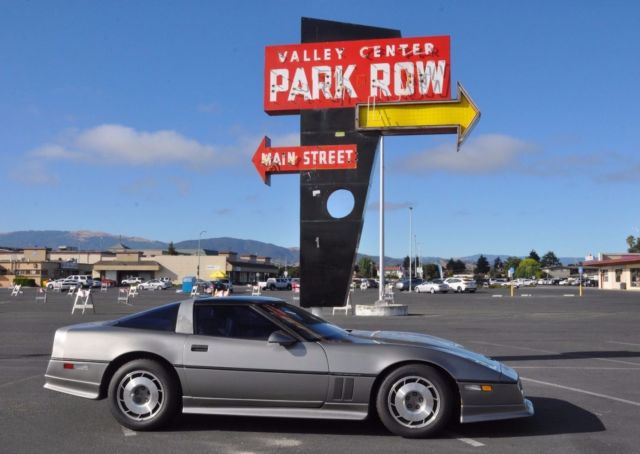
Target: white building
column 617, row 271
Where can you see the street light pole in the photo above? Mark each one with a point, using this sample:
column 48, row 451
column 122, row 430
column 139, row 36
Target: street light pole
column 381, row 285
column 198, row 252
column 410, row 245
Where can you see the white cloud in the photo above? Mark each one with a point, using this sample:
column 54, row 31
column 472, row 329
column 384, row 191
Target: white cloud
column 33, row 173
column 484, row 154
column 122, row 145
column 117, row 144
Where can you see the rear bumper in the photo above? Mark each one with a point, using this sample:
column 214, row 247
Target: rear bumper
column 83, row 380
column 505, row 401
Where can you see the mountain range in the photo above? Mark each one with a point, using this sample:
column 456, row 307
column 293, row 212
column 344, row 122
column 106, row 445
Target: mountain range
column 90, row 240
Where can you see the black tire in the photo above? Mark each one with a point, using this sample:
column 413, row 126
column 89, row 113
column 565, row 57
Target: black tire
column 272, row 287
column 459, row 290
column 288, row 287
column 433, row 290
column 427, row 407
column 136, row 386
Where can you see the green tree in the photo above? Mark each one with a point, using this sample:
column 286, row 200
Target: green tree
column 528, row 268
column 549, row 259
column 367, row 267
column 430, row 271
column 633, row 243
column 405, row 263
column 534, row 255
column 456, row 266
column 171, row 249
column 511, row 262
column 482, row 265
column 498, row 266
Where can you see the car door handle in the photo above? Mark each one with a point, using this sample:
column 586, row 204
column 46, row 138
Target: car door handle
column 199, row 348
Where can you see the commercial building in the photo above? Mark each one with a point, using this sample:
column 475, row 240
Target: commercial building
column 617, row 271
column 42, row 264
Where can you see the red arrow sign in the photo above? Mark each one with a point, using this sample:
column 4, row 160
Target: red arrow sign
column 269, row 160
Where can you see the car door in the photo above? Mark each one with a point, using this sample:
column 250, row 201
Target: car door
column 228, row 362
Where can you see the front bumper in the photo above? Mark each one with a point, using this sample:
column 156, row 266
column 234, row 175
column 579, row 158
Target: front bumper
column 505, row 401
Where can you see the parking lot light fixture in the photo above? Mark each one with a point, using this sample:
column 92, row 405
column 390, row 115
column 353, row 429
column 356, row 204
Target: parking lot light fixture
column 410, row 244
column 198, row 252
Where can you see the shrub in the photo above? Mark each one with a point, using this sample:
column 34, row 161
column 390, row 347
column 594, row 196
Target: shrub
column 24, row 281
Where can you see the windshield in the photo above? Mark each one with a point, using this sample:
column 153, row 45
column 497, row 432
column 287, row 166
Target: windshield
column 304, row 323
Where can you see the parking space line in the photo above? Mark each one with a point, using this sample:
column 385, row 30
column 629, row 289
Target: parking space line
column 513, row 346
column 623, row 343
column 128, row 432
column 15, row 382
column 471, row 442
column 618, row 361
column 578, row 368
column 583, row 391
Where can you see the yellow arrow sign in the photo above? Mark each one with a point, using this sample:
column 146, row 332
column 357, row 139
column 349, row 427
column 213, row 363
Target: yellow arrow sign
column 439, row 117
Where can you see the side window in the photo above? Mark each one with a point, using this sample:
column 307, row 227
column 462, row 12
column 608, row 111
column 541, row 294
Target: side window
column 240, row 322
column 160, row 319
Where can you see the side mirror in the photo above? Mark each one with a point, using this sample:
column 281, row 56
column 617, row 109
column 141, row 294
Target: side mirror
column 282, row 338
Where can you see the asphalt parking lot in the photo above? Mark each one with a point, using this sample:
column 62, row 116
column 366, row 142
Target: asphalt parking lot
column 579, row 358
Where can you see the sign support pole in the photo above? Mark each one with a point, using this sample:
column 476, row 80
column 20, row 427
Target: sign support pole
column 381, row 285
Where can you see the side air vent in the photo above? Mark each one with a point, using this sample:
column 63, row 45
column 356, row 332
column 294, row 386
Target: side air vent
column 343, row 388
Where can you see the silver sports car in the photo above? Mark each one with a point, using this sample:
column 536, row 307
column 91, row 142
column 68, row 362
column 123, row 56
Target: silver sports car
column 263, row 357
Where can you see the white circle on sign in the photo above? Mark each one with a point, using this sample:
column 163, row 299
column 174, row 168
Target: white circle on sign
column 340, row 203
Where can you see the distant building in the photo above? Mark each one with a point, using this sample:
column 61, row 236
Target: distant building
column 42, row 264
column 617, row 271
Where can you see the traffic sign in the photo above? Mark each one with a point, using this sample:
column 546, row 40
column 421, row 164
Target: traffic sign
column 337, row 74
column 269, row 160
column 456, row 116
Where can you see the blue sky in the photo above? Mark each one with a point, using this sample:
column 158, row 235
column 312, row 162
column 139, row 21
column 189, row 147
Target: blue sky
column 140, row 118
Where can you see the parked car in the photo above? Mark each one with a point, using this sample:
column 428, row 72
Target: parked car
column 227, row 284
column 154, row 284
column 51, row 283
column 83, row 280
column 65, row 284
column 404, row 284
column 432, row 287
column 236, row 356
column 369, row 283
column 131, row 280
column 278, row 283
column 459, row 285
column 500, row 281
column 108, row 282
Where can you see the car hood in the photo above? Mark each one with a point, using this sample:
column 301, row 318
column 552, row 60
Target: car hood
column 400, row 337
column 425, row 340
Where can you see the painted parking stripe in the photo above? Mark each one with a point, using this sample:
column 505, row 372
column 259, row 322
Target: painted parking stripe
column 128, row 432
column 15, row 382
column 577, row 368
column 624, row 343
column 471, row 442
column 583, row 391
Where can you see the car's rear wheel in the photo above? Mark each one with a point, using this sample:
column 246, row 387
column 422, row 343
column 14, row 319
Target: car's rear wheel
column 143, row 395
column 459, row 290
column 415, row 401
column 433, row 290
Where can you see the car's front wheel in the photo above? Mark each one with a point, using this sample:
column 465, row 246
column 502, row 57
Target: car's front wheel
column 143, row 395
column 415, row 401
column 433, row 290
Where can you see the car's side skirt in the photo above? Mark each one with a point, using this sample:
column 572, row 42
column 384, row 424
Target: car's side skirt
column 278, row 409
